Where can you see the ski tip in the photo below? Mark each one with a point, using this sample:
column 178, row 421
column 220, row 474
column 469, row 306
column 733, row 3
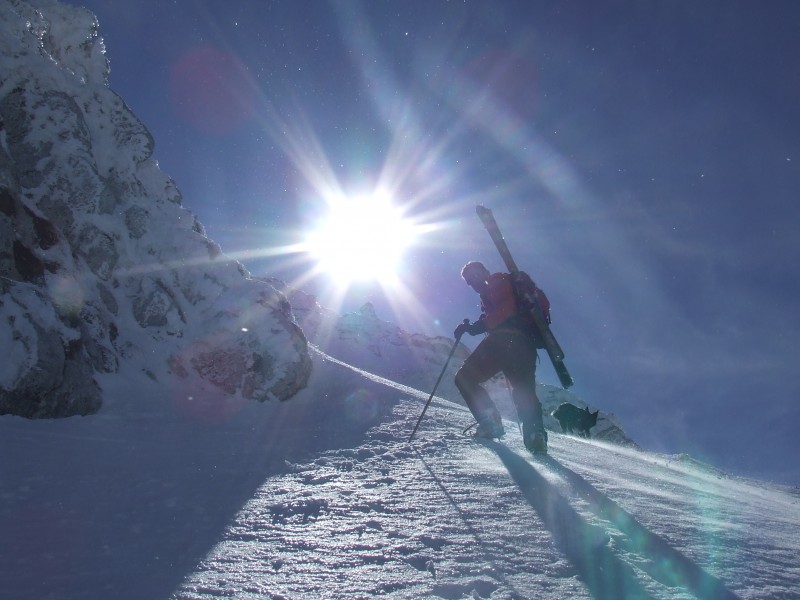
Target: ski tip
column 482, row 210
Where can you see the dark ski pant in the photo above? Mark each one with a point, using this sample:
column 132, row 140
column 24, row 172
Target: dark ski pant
column 514, row 353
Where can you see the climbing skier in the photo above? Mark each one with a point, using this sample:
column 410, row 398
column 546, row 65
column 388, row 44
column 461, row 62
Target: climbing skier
column 510, row 347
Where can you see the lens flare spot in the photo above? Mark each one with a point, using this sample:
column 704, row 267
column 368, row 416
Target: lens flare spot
column 361, row 406
column 212, row 90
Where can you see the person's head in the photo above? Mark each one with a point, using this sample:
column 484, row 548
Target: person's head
column 475, row 274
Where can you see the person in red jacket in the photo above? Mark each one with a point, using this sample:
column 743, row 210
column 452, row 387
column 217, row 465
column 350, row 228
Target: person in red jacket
column 510, row 347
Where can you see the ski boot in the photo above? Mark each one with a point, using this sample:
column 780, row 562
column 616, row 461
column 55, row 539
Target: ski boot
column 536, row 441
column 490, row 428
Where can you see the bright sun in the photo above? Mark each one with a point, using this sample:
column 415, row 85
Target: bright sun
column 360, row 239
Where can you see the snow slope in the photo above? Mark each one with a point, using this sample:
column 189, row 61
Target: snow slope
column 323, row 497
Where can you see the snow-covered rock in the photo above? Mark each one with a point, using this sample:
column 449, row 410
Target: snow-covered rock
column 363, row 339
column 99, row 262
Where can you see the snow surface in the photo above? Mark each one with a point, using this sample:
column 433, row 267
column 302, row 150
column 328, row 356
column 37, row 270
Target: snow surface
column 322, row 496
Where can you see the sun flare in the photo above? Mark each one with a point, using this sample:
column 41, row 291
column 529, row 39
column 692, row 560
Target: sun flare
column 360, row 239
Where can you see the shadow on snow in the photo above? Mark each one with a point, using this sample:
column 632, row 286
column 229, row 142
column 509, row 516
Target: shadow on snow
column 605, row 574
column 127, row 509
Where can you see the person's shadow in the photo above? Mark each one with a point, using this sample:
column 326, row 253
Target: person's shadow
column 585, row 545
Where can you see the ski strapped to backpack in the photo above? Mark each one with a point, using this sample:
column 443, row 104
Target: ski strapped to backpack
column 539, row 306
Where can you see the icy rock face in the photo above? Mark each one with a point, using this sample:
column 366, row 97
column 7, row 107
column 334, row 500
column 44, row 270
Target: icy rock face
column 99, row 262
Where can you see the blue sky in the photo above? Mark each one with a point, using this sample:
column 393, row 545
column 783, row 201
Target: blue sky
column 642, row 159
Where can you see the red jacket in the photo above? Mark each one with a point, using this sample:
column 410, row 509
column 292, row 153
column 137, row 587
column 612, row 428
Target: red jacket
column 498, row 302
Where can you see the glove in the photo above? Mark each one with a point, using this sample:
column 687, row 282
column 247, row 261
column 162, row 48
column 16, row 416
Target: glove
column 462, row 329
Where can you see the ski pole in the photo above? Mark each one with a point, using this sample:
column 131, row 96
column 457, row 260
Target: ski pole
column 438, row 381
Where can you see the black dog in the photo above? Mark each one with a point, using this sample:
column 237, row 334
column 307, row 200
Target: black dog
column 571, row 417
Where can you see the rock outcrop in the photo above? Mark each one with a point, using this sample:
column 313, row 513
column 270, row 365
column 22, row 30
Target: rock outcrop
column 99, row 261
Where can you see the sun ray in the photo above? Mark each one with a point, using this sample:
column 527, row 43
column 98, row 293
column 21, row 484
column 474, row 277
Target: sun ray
column 355, row 231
